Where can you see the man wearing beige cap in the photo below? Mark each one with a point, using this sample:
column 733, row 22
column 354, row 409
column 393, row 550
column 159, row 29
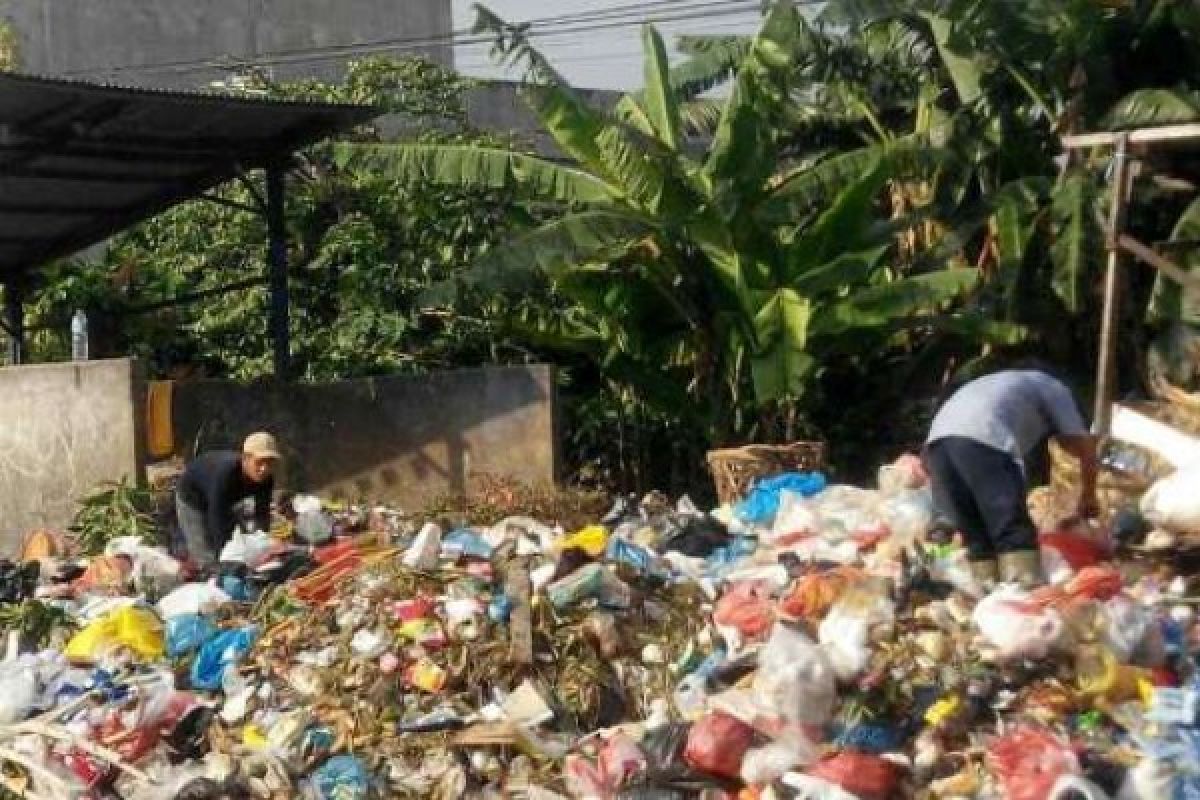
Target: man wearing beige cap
column 214, row 484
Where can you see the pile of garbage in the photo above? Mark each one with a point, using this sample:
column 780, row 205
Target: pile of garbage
column 809, row 640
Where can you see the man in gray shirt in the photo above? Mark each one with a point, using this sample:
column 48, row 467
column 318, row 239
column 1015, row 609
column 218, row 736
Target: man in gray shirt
column 975, row 455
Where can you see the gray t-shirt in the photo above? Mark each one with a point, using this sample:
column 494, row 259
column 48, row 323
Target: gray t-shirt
column 1013, row 411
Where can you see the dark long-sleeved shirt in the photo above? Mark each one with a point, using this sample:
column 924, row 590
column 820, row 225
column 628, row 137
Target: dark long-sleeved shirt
column 214, row 483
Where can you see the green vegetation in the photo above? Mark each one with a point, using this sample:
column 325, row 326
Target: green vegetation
column 787, row 235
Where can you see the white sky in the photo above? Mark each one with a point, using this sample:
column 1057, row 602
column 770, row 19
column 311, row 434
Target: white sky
column 609, row 57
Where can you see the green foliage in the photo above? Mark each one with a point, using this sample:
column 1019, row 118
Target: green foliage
column 35, row 622
column 112, row 510
column 364, row 248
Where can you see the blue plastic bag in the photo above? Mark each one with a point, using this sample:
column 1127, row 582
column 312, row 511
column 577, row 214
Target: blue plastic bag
column 644, row 561
column 220, row 652
column 760, row 505
column 500, row 608
column 463, row 542
column 341, row 778
column 186, row 633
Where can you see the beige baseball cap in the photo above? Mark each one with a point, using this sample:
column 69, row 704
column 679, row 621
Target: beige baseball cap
column 261, row 445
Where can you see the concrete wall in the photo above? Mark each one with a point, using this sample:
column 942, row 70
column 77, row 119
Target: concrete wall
column 394, row 439
column 157, row 44
column 64, row 428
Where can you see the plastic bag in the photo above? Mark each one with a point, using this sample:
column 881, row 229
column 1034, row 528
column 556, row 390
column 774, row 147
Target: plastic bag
column 314, row 527
column 906, row 472
column 747, row 608
column 1126, row 624
column 132, row 627
column 218, row 653
column 186, row 633
column 1017, row 627
column 250, row 549
column 192, row 598
column 592, row 540
column 105, row 574
column 765, row 765
column 794, row 685
column 620, row 760
column 809, row 787
column 795, row 520
column 908, row 513
column 762, row 502
column 1029, row 761
column 584, row 779
column 811, row 596
column 424, row 551
column 717, row 743
column 18, row 689
column 845, row 631
column 865, row 776
column 1173, row 502
column 341, row 778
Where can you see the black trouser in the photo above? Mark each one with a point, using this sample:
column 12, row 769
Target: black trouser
column 982, row 491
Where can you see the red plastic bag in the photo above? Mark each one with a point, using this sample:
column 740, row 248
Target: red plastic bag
column 1078, row 551
column 584, row 779
column 1028, row 761
column 620, row 760
column 861, row 774
column 717, row 744
column 746, row 607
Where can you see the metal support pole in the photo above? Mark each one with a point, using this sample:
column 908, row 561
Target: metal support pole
column 14, row 314
column 1106, row 368
column 277, row 257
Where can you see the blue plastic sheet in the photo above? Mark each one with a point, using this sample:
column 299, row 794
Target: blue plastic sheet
column 867, row 738
column 761, row 504
column 186, row 633
column 644, row 561
column 236, row 588
column 341, row 778
column 218, row 653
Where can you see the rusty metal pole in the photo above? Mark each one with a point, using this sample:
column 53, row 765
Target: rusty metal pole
column 1107, row 363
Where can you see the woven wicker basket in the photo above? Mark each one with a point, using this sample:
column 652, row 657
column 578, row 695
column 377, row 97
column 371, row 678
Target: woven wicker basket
column 734, row 469
column 1179, row 407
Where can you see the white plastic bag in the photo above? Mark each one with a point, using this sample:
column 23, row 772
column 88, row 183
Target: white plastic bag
column 795, row 519
column 762, row 766
column 808, row 787
column 192, row 598
column 424, row 551
column 250, row 549
column 794, row 680
column 908, row 513
column 1127, row 624
column 18, row 689
column 1151, row 779
column 845, row 632
column 1173, row 502
column 1015, row 627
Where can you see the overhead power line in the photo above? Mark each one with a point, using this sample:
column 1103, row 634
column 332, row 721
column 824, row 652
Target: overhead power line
column 547, row 27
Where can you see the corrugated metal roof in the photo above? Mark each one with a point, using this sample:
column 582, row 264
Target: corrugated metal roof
column 81, row 161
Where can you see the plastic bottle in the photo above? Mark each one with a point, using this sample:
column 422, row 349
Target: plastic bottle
column 79, row 336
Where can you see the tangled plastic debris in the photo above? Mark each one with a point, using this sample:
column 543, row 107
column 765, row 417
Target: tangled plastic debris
column 811, row 641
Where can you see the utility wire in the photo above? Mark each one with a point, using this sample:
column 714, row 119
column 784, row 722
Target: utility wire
column 608, row 19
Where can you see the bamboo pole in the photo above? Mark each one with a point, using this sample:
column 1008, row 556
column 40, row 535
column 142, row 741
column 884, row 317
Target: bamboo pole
column 1106, row 367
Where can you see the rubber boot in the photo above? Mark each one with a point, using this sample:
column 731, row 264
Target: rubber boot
column 1022, row 567
column 985, row 573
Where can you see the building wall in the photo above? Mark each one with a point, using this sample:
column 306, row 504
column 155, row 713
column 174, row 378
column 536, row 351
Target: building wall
column 64, row 428
column 394, row 439
column 157, row 44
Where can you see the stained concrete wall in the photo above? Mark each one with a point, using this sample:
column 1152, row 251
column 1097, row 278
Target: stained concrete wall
column 395, row 439
column 158, row 44
column 64, row 428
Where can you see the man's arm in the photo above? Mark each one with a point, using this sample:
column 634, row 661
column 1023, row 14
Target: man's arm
column 262, row 506
column 220, row 514
column 1083, row 447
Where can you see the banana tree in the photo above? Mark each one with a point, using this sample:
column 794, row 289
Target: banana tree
column 720, row 280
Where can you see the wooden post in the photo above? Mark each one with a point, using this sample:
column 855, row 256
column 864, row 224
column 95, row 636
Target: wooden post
column 520, row 626
column 277, row 259
column 1106, row 367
